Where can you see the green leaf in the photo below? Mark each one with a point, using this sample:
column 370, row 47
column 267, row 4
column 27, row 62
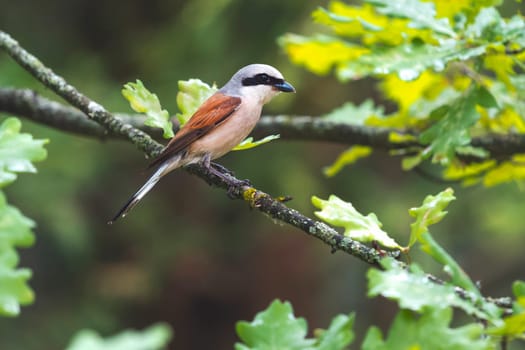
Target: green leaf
column 485, row 99
column 473, row 151
column 352, row 114
column 143, row 101
column 155, row 337
column 17, row 151
column 249, row 143
column 409, row 163
column 485, row 24
column 422, row 15
column 274, row 328
column 15, row 231
column 350, row 156
column 374, row 340
column 192, row 93
column 430, row 331
column 452, row 130
column 408, row 60
column 278, row 328
column 429, row 213
column 357, row 226
column 491, row 27
column 413, row 290
column 518, row 289
column 339, row 335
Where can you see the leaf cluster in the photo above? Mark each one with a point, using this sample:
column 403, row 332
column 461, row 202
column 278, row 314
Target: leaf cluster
column 18, row 151
column 454, row 69
column 426, row 306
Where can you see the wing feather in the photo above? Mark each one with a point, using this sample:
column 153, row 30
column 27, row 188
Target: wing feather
column 210, row 114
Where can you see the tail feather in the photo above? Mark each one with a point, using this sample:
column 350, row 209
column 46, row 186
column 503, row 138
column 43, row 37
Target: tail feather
column 135, row 199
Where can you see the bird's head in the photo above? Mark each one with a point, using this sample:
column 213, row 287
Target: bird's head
column 257, row 80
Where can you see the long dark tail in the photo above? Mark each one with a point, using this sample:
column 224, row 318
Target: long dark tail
column 135, row 199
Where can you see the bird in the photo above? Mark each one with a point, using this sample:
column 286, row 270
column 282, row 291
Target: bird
column 222, row 121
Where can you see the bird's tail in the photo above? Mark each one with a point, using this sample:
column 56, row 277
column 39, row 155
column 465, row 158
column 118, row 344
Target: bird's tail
column 135, row 199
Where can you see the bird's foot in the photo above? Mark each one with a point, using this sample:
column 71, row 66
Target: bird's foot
column 234, row 185
column 221, row 168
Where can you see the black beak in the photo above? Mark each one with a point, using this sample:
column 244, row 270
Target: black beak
column 284, row 86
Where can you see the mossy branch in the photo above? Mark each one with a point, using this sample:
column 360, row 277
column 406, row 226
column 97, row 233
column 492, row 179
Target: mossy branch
column 115, row 126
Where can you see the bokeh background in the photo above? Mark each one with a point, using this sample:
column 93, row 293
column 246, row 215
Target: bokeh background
column 188, row 255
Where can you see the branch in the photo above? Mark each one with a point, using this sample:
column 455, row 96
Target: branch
column 26, row 103
column 319, row 129
column 236, row 188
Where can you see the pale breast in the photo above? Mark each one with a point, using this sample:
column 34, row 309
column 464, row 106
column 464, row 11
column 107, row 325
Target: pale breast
column 230, row 133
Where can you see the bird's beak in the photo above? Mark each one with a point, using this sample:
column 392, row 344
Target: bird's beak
column 284, row 87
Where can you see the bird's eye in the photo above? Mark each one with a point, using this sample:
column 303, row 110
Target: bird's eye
column 264, row 78
column 259, row 79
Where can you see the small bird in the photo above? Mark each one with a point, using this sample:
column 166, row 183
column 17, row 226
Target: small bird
column 219, row 124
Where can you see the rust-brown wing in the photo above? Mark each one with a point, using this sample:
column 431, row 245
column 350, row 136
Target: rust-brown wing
column 211, row 113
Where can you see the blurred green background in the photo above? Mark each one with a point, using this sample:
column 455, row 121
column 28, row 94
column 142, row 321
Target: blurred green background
column 188, row 255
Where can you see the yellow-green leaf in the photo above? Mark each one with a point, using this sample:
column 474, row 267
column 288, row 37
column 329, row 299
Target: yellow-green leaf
column 397, row 137
column 350, row 156
column 506, row 120
column 412, row 289
column 249, row 143
column 357, row 226
column 507, row 171
column 192, row 93
column 320, row 53
column 428, row 86
column 143, row 101
column 410, row 162
column 15, row 231
column 18, row 151
column 430, row 212
column 467, row 173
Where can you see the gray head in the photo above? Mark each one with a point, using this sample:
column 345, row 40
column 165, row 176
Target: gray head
column 257, row 80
